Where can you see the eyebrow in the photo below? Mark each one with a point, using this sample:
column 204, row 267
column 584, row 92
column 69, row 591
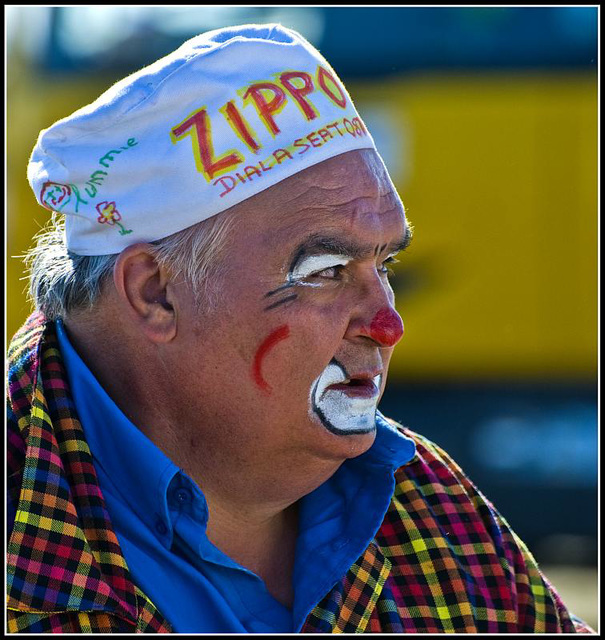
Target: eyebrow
column 316, row 244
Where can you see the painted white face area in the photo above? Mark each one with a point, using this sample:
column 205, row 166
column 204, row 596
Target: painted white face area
column 343, row 406
column 314, row 265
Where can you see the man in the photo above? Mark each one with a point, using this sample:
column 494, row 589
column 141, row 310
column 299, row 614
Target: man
column 193, row 435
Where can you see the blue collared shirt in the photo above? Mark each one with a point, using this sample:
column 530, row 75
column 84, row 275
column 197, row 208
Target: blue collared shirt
column 160, row 514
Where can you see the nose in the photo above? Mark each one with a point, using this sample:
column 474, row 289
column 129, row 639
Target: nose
column 374, row 317
column 386, row 327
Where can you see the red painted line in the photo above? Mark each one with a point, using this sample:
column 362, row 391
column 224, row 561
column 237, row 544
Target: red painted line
column 387, row 327
column 281, row 333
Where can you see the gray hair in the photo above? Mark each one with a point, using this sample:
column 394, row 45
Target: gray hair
column 62, row 282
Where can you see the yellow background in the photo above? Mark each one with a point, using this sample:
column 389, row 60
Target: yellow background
column 503, row 198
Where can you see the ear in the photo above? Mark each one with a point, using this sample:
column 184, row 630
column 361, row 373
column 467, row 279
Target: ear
column 145, row 293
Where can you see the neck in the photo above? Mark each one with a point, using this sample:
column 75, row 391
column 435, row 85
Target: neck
column 265, row 546
column 252, row 503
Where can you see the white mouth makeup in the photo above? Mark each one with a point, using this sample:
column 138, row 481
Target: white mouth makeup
column 343, row 412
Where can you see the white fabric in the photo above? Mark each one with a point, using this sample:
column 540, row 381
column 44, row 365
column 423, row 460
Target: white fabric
column 228, row 114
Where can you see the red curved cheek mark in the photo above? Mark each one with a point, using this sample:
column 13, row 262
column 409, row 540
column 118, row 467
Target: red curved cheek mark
column 387, row 327
column 281, row 333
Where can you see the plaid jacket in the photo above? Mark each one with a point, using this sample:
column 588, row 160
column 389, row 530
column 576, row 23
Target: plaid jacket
column 443, row 560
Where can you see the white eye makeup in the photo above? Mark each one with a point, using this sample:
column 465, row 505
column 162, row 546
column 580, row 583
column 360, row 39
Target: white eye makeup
column 312, row 265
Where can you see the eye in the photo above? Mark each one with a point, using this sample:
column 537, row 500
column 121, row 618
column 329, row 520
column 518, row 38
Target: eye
column 385, row 266
column 314, row 267
column 331, row 273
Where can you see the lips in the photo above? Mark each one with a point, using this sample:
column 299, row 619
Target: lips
column 358, row 387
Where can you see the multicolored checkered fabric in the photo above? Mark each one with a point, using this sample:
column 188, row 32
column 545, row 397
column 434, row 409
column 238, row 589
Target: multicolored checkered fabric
column 65, row 569
column 443, row 560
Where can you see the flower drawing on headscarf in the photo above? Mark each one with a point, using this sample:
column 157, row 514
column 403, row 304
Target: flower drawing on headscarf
column 108, row 214
column 55, row 196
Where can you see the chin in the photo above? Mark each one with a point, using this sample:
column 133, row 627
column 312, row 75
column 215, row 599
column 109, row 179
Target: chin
column 345, row 443
column 345, row 414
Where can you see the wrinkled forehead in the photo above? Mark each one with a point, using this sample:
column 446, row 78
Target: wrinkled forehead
column 346, row 197
column 358, row 177
column 352, row 173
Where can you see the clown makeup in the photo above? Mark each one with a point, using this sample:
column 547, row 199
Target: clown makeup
column 320, row 256
column 314, row 265
column 320, row 253
column 345, row 405
column 302, row 269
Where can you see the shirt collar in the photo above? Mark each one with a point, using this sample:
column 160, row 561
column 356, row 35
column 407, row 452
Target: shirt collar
column 136, row 468
column 391, row 448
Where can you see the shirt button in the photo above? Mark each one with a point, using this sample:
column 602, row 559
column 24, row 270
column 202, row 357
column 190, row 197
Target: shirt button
column 182, row 496
column 161, row 528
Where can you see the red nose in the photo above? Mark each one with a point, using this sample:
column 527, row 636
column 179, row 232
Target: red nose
column 386, row 327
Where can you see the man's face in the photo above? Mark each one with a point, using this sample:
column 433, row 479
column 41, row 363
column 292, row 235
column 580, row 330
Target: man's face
column 297, row 352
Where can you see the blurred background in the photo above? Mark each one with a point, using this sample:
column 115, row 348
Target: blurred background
column 487, row 119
